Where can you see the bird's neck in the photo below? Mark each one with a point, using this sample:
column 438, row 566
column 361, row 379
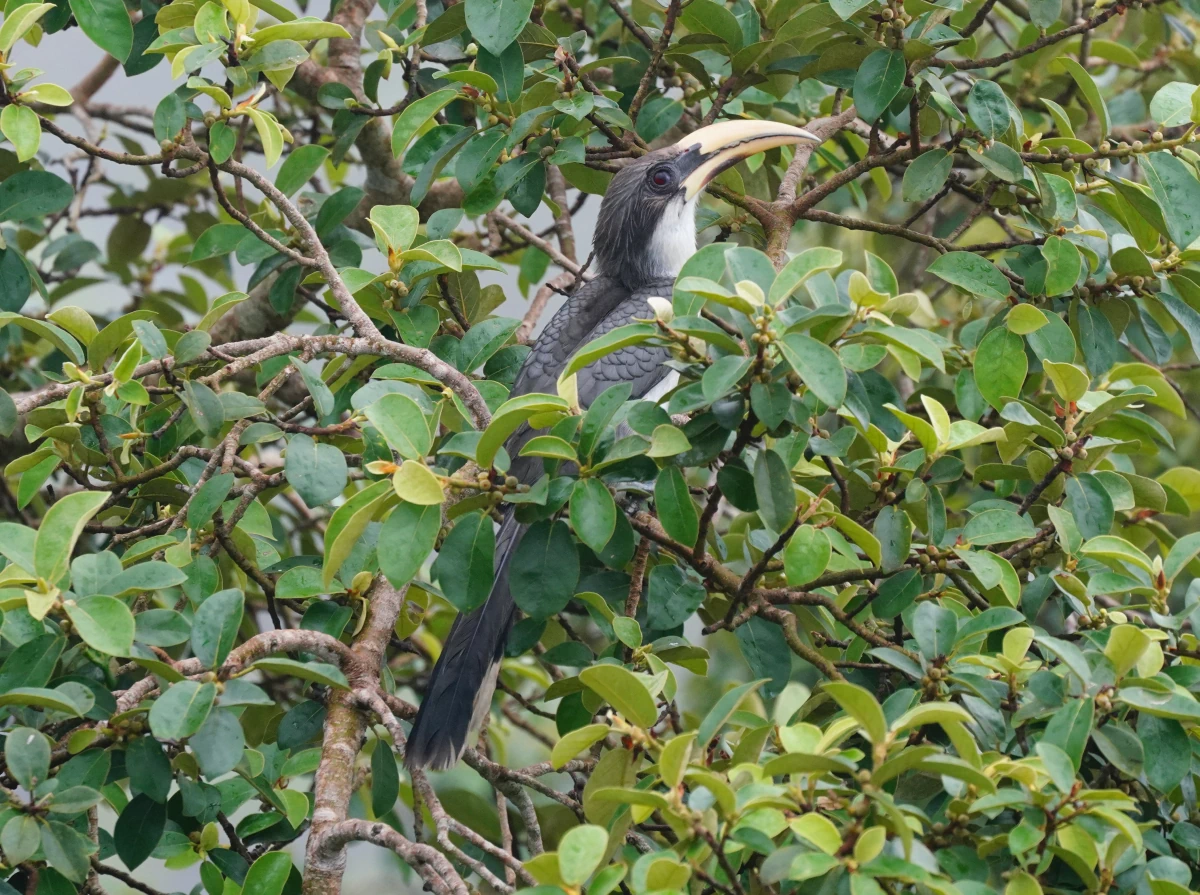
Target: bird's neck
column 637, row 261
column 674, row 240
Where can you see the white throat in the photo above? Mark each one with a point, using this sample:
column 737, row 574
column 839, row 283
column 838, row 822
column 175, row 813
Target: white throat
column 674, row 239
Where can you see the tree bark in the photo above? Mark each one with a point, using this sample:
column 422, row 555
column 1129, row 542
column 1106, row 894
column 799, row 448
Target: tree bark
column 345, row 727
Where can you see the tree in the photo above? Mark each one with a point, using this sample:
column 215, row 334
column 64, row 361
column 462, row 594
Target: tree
column 927, row 461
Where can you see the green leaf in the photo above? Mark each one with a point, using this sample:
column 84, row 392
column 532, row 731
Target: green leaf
column 302, row 29
column 385, row 779
column 546, row 545
column 406, row 539
column 104, row 623
column 580, row 852
column 48, row 94
column 722, row 712
column 20, row 837
column 624, row 691
column 464, row 566
column 971, row 273
column 593, row 513
column 722, row 375
column 988, row 107
column 33, row 194
column 818, row 365
column 60, row 529
column 53, row 700
column 395, row 226
column 613, row 340
column 17, row 22
column 401, row 422
column 799, row 269
column 268, row 131
column 767, row 653
column 774, row 489
column 671, row 597
column 1087, row 87
column 1126, row 645
column 59, row 338
column 806, row 556
column 317, row 672
column 893, row 530
column 323, row 399
column 989, row 620
column 878, row 81
column 219, row 743
column 67, row 850
column 27, row 753
column 676, row 511
column 217, row 240
column 1000, row 366
column 1058, row 765
column 108, row 25
column 1025, row 319
column 935, row 629
column 268, row 874
column 862, row 707
column 347, row 525
column 508, row 417
column 1090, row 504
column 667, row 441
column 926, row 176
column 1172, row 104
column 416, row 483
column 316, row 470
column 180, row 711
column 1071, row 382
column 1177, row 193
column 215, row 626
column 496, row 23
column 1063, row 264
column 21, row 126
column 1181, row 553
column 417, row 113
column 299, row 167
column 138, row 830
column 993, row 571
column 599, row 414
column 149, row 769
column 1166, row 741
column 191, row 345
column 1070, row 727
column 507, row 70
column 208, row 499
column 8, row 414
column 151, row 338
column 1116, row 550
column 997, row 526
column 206, row 409
column 575, row 742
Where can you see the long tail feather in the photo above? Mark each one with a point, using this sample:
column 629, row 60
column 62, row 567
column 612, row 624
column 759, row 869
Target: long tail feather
column 459, row 695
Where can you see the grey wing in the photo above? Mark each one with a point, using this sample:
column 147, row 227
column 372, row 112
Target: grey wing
column 569, row 328
column 597, row 308
column 641, row 365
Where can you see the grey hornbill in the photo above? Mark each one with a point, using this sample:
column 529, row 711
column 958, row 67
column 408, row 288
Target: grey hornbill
column 646, row 230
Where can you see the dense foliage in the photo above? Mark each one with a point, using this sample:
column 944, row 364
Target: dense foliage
column 929, row 461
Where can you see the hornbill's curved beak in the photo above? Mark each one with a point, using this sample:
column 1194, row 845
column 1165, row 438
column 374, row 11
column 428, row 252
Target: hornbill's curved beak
column 707, row 152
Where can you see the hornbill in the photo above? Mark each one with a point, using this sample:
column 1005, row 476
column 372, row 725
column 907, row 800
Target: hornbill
column 645, row 232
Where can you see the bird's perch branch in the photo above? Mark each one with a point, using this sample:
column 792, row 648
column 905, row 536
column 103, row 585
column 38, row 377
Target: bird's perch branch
column 823, row 128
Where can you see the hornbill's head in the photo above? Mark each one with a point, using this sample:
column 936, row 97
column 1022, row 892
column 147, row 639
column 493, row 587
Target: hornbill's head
column 647, row 224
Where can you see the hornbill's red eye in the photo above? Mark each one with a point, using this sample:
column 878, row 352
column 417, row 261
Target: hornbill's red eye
column 661, row 177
